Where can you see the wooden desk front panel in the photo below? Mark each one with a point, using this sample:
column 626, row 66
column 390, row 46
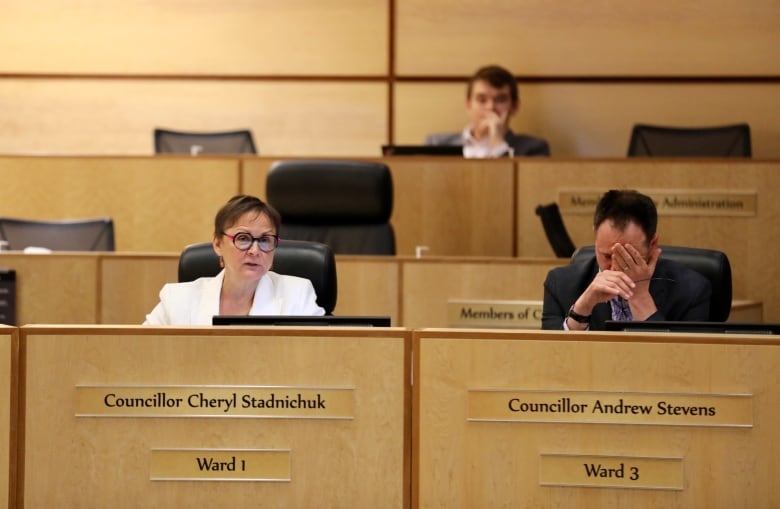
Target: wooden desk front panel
column 55, row 288
column 157, row 203
column 74, row 462
column 460, row 464
column 428, row 285
column 749, row 241
column 8, row 385
column 454, row 207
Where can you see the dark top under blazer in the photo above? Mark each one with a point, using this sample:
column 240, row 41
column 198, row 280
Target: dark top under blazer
column 685, row 299
column 522, row 144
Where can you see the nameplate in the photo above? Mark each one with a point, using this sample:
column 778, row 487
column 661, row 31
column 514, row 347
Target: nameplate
column 670, row 409
column 211, row 401
column 499, row 314
column 271, row 465
column 611, row 471
column 672, row 203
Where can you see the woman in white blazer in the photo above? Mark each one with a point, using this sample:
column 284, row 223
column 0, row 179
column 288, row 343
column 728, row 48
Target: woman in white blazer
column 245, row 237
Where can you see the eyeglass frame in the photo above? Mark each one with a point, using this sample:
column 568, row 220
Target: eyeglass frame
column 254, row 240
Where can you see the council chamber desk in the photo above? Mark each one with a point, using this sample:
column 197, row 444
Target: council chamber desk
column 9, row 349
column 590, row 420
column 214, row 417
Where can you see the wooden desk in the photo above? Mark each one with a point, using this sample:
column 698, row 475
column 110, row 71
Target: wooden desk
column 9, row 351
column 472, row 448
column 349, row 450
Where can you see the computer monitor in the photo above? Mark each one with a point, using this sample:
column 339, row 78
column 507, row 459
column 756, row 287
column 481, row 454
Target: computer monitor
column 698, row 327
column 422, row 150
column 312, row 321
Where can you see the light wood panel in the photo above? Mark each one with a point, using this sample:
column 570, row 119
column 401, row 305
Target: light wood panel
column 748, row 241
column 130, row 285
column 535, row 37
column 369, row 285
column 450, row 205
column 463, row 464
column 197, row 37
column 9, row 385
column 57, row 288
column 428, row 285
column 88, row 116
column 105, row 462
column 157, row 204
column 595, row 119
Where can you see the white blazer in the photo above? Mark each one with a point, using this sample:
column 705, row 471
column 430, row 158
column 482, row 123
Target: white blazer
column 196, row 302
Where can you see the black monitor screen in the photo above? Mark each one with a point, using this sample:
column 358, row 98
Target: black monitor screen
column 701, row 327
column 422, row 150
column 312, row 321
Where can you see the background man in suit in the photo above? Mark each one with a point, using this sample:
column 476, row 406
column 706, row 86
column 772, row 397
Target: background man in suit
column 626, row 280
column 491, row 100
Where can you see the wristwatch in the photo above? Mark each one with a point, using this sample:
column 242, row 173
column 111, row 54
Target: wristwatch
column 576, row 316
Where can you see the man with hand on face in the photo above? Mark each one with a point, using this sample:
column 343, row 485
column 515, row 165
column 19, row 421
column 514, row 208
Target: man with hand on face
column 627, row 279
column 491, row 100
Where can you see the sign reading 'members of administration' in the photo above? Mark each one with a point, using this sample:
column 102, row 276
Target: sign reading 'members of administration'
column 215, row 401
column 607, row 407
column 689, row 202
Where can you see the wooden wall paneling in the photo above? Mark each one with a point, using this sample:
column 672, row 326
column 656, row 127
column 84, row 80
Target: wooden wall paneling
column 428, row 285
column 369, row 285
column 157, row 203
column 307, row 37
column 55, row 288
column 96, row 116
column 582, row 38
column 581, row 119
column 453, row 206
column 749, row 241
column 131, row 284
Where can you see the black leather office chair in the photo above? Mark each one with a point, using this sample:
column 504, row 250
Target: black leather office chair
column 309, row 260
column 555, row 230
column 710, row 263
column 345, row 204
column 94, row 234
column 167, row 141
column 660, row 141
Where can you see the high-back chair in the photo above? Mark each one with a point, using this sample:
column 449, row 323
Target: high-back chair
column 309, row 260
column 93, row 234
column 167, row 141
column 344, row 204
column 710, row 263
column 555, row 230
column 718, row 141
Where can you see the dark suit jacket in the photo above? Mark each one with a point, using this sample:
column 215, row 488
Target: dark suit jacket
column 522, row 144
column 687, row 298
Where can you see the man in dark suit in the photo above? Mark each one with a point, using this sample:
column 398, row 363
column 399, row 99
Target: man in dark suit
column 491, row 100
column 627, row 279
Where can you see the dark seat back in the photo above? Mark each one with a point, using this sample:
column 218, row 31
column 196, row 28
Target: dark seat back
column 94, row 234
column 344, row 204
column 167, row 141
column 660, row 141
column 555, row 230
column 309, row 260
column 710, row 263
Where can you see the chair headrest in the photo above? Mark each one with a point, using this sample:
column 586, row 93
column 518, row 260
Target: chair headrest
column 310, row 260
column 710, row 263
column 330, row 191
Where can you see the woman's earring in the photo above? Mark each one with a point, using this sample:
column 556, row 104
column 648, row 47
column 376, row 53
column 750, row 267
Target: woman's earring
column 221, row 263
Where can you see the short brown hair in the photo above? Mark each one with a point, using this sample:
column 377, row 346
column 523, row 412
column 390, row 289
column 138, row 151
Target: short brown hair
column 239, row 205
column 498, row 77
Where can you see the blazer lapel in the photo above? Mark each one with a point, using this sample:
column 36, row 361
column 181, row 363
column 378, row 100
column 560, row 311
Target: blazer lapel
column 209, row 300
column 266, row 301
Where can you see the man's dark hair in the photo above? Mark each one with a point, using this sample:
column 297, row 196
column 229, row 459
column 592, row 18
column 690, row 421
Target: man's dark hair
column 625, row 206
column 239, row 205
column 498, row 77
